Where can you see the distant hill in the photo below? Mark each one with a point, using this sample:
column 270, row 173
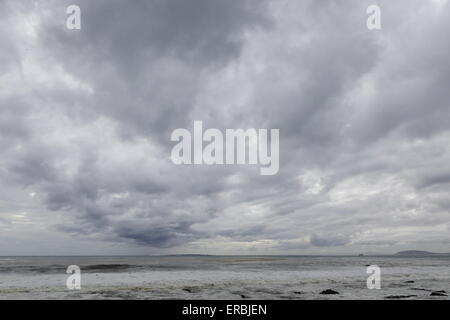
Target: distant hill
column 417, row 253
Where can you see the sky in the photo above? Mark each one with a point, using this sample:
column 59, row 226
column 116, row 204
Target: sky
column 86, row 117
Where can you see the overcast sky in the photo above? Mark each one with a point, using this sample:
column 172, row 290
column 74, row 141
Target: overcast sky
column 86, row 117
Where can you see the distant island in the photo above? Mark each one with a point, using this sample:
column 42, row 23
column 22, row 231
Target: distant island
column 417, row 253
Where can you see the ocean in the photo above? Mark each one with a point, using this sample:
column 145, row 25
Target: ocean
column 224, row 277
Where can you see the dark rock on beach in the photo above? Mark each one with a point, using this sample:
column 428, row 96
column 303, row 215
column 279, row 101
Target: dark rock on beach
column 191, row 289
column 441, row 293
column 329, row 291
column 409, row 281
column 401, row 297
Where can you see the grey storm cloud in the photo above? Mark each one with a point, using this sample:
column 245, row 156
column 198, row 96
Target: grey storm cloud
column 154, row 54
column 86, row 117
column 327, row 242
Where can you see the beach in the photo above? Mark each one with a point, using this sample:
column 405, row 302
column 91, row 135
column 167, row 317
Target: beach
column 224, row 277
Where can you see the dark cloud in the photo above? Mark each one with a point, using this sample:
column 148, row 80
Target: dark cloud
column 150, row 58
column 329, row 241
column 86, row 117
column 435, row 179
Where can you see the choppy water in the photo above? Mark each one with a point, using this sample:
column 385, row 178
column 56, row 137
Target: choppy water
column 223, row 277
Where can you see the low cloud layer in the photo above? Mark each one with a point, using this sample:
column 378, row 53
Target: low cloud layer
column 86, row 117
